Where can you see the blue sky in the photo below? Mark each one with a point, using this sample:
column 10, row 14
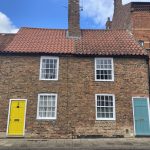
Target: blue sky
column 51, row 14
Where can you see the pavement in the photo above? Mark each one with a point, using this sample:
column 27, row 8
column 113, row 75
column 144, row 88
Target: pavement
column 76, row 144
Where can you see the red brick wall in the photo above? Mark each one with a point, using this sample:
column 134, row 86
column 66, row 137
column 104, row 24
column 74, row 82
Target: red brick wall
column 76, row 89
column 141, row 26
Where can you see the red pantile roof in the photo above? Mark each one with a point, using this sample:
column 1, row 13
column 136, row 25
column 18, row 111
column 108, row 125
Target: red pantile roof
column 5, row 39
column 92, row 42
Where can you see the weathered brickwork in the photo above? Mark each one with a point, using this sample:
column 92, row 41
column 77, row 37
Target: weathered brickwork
column 76, row 89
column 74, row 19
column 121, row 17
column 141, row 27
column 135, row 20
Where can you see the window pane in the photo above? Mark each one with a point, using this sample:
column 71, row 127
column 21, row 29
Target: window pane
column 107, row 103
column 41, row 109
column 110, row 98
column 109, row 72
column 99, row 115
column 110, row 109
column 41, row 103
column 103, row 115
column 111, row 115
column 101, row 97
column 53, row 108
column 109, row 66
column 98, row 66
column 53, row 114
column 43, row 65
column 102, row 103
column 98, row 103
column 53, row 103
column 109, row 77
column 109, row 62
column 54, row 61
column 102, row 109
column 48, row 114
column 107, row 115
column 52, row 66
column 49, row 103
column 98, row 97
column 98, row 72
column 51, row 61
column 98, row 109
column 106, row 98
column 98, row 77
column 105, row 62
column 40, row 114
column 44, row 114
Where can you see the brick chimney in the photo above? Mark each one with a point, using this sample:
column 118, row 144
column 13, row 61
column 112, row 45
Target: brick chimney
column 117, row 4
column 73, row 19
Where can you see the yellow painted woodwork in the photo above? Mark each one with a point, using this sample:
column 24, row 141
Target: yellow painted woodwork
column 17, row 118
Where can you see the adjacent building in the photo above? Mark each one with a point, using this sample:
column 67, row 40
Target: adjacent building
column 135, row 17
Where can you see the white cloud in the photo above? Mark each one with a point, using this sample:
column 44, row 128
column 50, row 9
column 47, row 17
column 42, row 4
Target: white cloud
column 6, row 26
column 100, row 10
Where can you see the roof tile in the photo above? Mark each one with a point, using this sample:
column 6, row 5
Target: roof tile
column 5, row 39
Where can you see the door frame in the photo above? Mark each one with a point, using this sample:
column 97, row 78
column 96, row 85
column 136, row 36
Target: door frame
column 148, row 105
column 10, row 100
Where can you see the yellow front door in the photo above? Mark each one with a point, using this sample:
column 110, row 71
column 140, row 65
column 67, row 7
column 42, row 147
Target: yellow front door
column 16, row 118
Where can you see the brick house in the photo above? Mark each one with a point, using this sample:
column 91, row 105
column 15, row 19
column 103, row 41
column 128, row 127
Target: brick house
column 135, row 17
column 73, row 83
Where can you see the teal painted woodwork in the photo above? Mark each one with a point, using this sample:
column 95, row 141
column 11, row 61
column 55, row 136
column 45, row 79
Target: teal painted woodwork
column 141, row 116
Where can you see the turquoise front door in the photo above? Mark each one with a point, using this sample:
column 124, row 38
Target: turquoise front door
column 141, row 116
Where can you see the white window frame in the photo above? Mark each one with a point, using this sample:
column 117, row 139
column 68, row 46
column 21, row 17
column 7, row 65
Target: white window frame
column 112, row 61
column 47, row 118
column 49, row 57
column 114, row 108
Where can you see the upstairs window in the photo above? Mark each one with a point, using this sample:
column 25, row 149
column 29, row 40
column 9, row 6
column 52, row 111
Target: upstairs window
column 104, row 69
column 49, row 68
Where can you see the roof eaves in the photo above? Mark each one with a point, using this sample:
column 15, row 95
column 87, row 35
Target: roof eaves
column 71, row 53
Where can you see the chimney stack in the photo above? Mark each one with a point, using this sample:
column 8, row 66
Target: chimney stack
column 73, row 19
column 117, row 4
